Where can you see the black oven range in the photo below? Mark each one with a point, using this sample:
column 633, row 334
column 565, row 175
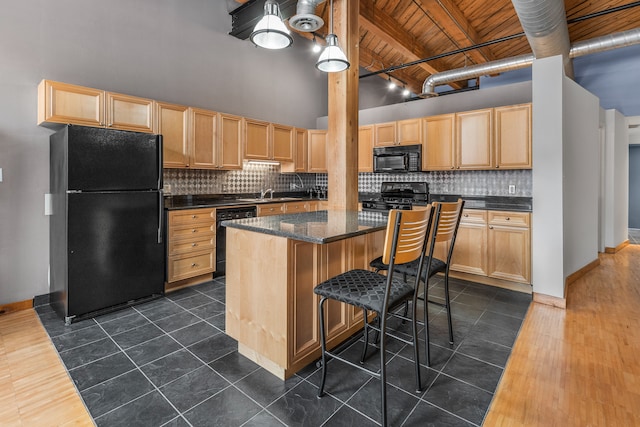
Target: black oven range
column 398, row 195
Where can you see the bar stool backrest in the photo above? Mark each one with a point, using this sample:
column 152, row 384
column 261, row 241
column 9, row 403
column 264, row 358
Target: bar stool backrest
column 407, row 235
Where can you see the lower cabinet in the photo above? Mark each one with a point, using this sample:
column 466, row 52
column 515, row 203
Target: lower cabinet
column 494, row 244
column 191, row 245
column 268, row 209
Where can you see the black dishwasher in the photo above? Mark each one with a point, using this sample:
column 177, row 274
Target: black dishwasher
column 224, row 214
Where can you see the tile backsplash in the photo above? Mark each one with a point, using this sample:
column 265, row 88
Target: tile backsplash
column 256, row 177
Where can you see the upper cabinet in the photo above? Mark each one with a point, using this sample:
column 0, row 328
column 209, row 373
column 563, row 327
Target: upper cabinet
column 474, row 136
column 438, row 150
column 173, row 125
column 513, row 137
column 282, row 137
column 300, row 156
column 365, row 148
column 401, row 132
column 229, row 141
column 385, row 134
column 317, row 150
column 478, row 140
column 268, row 141
column 409, row 132
column 71, row 104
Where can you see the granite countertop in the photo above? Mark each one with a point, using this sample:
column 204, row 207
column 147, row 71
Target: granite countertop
column 314, row 227
column 496, row 203
column 217, row 200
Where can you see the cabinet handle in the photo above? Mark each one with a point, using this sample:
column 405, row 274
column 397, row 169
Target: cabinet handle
column 508, row 218
column 491, row 227
column 193, row 245
column 194, row 231
column 466, row 215
column 194, row 265
column 194, row 216
column 452, row 167
column 497, row 166
column 458, row 167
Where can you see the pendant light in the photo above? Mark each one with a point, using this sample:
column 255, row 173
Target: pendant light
column 332, row 58
column 270, row 32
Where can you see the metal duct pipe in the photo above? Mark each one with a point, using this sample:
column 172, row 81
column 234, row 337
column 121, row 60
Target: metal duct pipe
column 598, row 44
column 601, row 44
column 305, row 19
column 545, row 24
column 493, row 67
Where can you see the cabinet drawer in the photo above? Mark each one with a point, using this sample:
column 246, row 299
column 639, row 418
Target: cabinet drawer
column 191, row 232
column 513, row 219
column 191, row 216
column 473, row 216
column 191, row 265
column 270, row 209
column 296, row 207
column 197, row 243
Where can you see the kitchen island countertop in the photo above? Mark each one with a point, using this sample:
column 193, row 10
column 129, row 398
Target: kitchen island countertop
column 314, row 227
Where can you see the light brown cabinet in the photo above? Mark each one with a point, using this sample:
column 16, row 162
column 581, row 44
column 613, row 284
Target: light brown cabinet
column 409, row 132
column 203, row 152
column 365, row 148
column 513, row 137
column 269, row 209
column 474, row 139
column 509, row 246
column 384, row 134
column 494, row 244
column 268, row 141
column 72, row 104
column 317, row 150
column 173, row 125
column 191, row 245
column 300, row 155
column 230, row 141
column 438, row 150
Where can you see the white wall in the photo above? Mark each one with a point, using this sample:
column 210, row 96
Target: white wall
column 547, row 240
column 516, row 93
column 616, row 179
column 171, row 50
column 581, row 171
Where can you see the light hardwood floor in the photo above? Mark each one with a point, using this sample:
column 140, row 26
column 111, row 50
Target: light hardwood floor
column 35, row 389
column 573, row 367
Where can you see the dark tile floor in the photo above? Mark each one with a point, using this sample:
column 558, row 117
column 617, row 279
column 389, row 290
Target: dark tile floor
column 168, row 363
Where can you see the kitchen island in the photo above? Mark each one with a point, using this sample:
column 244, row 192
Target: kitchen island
column 273, row 264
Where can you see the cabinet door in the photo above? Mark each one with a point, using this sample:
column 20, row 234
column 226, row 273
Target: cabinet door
column 470, row 250
column 409, row 132
column 173, row 125
column 65, row 103
column 438, row 149
column 513, row 137
column 385, row 134
column 229, row 141
column 334, row 263
column 126, row 112
column 300, row 150
column 365, row 148
column 474, row 133
column 304, row 330
column 317, row 145
column 270, row 209
column 510, row 246
column 257, row 140
column 282, row 140
column 202, row 138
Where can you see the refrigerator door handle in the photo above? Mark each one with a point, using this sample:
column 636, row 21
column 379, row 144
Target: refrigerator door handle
column 160, row 164
column 160, row 211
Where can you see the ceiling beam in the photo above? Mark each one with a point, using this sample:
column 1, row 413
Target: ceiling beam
column 390, row 31
column 452, row 22
column 369, row 57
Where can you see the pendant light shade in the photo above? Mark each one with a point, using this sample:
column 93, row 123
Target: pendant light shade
column 270, row 32
column 332, row 58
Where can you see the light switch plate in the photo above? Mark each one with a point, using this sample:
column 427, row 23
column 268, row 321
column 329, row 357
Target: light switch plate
column 0, row 174
column 48, row 210
column 512, row 189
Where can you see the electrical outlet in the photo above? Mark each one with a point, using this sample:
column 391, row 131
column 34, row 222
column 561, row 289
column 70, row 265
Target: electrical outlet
column 512, row 189
column 166, row 188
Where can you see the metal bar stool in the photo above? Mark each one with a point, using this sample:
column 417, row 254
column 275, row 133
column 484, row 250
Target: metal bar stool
column 405, row 242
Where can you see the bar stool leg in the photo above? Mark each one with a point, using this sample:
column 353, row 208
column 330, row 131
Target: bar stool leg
column 322, row 345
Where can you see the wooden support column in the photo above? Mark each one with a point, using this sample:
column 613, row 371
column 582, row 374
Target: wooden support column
column 342, row 135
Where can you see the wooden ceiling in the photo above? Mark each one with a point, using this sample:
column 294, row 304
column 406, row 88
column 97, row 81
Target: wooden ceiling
column 396, row 32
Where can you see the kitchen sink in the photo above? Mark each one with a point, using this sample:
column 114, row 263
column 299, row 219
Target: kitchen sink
column 269, row 200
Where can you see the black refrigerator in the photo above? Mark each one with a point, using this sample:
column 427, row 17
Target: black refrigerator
column 106, row 228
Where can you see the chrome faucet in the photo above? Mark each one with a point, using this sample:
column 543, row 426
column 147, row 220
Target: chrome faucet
column 264, row 193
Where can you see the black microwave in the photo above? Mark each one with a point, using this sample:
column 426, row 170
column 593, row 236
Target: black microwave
column 397, row 159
